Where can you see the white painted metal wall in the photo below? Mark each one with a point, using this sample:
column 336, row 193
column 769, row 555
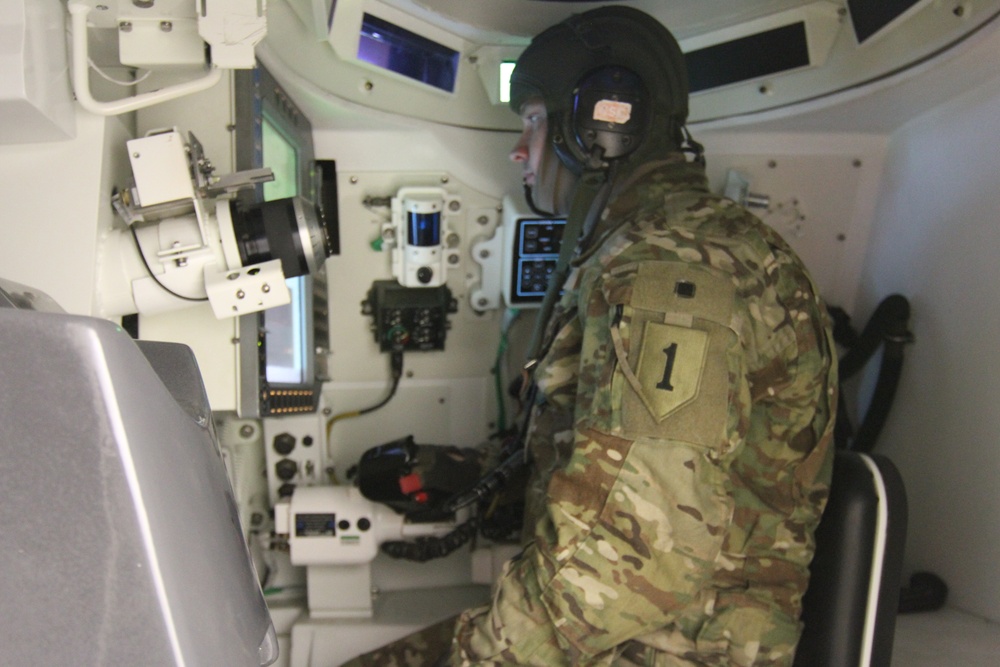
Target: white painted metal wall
column 56, row 204
column 936, row 239
column 924, row 225
column 822, row 189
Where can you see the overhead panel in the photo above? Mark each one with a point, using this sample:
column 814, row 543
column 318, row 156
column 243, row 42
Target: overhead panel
column 758, row 66
column 757, row 63
column 784, row 42
column 373, row 54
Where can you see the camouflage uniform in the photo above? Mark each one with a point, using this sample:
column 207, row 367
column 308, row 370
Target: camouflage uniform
column 682, row 446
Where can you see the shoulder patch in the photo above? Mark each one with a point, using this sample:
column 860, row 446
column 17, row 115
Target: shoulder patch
column 675, row 341
column 670, row 367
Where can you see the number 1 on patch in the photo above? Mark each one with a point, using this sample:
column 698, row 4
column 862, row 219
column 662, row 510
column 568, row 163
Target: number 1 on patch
column 668, row 370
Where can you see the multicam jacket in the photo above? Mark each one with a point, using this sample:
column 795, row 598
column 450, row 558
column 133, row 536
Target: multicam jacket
column 682, row 446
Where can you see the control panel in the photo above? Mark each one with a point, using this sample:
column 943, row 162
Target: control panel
column 531, row 246
column 535, row 252
column 409, row 318
column 293, row 453
column 331, row 525
column 337, row 525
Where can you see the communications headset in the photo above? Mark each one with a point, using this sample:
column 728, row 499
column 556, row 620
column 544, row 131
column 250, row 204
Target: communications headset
column 613, row 53
column 615, row 88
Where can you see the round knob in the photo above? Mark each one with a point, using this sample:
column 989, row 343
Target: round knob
column 284, row 443
column 286, row 469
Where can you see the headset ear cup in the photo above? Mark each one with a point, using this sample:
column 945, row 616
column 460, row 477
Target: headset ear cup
column 611, row 113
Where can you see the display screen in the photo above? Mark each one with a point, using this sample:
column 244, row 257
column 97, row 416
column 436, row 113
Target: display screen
column 286, row 326
column 278, row 346
column 286, row 337
column 315, row 525
column 280, row 155
column 398, row 50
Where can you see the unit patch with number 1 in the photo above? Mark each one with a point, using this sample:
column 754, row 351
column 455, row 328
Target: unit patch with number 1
column 670, row 366
column 677, row 320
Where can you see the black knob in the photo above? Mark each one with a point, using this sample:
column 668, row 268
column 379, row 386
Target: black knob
column 286, row 490
column 425, row 274
column 284, row 443
column 364, row 524
column 286, row 469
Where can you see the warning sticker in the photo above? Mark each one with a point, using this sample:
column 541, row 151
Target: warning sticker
column 613, row 111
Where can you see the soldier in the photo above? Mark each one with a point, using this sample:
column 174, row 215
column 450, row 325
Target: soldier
column 681, row 427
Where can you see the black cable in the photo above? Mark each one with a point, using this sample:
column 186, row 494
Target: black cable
column 888, row 324
column 142, row 256
column 516, row 459
column 424, row 549
column 396, row 363
column 490, row 484
column 887, row 328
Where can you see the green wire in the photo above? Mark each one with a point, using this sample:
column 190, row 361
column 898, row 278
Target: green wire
column 508, row 320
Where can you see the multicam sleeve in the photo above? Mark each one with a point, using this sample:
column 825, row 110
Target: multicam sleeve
column 635, row 520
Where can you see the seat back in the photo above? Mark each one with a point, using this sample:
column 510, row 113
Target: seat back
column 849, row 611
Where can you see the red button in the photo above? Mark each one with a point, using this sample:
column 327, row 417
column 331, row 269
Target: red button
column 410, row 484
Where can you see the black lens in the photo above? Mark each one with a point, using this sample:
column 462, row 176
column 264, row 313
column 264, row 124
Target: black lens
column 270, row 230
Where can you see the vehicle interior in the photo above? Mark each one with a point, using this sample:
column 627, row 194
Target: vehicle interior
column 258, row 257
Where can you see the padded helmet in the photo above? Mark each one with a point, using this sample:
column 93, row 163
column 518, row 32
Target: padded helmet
column 614, row 83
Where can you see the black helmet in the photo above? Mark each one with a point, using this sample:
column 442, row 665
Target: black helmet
column 614, row 83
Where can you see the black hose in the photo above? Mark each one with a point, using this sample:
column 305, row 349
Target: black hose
column 889, row 328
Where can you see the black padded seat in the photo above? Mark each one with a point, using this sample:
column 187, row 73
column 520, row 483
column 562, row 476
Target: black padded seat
column 850, row 608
